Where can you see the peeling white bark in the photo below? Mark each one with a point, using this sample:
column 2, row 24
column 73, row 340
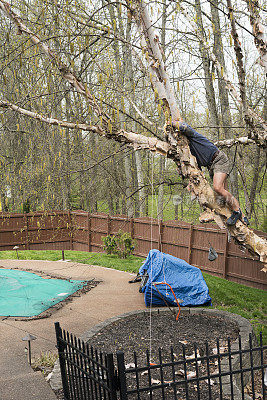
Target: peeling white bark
column 244, row 140
column 258, row 30
column 137, row 141
column 157, row 71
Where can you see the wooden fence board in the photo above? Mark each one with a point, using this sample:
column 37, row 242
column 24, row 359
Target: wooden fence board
column 81, row 231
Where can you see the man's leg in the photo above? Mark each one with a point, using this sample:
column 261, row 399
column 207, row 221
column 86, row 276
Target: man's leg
column 219, row 185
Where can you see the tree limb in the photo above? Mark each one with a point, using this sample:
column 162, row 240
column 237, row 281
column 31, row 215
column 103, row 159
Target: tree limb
column 258, row 30
column 231, row 142
column 137, row 141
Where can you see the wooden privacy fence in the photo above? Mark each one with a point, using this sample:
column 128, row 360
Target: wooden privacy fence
column 78, row 230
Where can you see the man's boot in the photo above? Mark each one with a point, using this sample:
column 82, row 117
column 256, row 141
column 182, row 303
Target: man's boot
column 236, row 215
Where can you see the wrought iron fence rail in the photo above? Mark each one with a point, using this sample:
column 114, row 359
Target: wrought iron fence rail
column 83, row 353
column 218, row 358
column 196, row 379
column 94, row 375
column 212, row 357
column 91, row 375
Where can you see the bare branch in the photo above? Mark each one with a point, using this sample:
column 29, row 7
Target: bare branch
column 258, row 30
column 64, row 70
column 137, row 141
column 231, row 142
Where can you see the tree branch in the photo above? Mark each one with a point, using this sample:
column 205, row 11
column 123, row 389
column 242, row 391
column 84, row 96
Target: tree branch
column 137, row 141
column 258, row 30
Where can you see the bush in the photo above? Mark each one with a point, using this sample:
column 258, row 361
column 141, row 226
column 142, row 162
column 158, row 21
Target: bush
column 121, row 244
column 110, row 245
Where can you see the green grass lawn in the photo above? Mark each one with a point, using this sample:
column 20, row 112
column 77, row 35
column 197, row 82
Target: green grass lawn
column 239, row 299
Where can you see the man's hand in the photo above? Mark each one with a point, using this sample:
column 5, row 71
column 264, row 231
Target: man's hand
column 176, row 123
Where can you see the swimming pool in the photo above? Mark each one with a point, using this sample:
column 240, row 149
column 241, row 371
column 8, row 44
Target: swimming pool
column 26, row 294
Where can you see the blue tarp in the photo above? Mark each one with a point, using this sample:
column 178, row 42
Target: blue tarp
column 186, row 281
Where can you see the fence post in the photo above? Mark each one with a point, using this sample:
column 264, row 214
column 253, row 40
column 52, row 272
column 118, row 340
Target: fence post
column 121, row 375
column 89, row 232
column 189, row 256
column 132, row 227
column 109, row 225
column 225, row 261
column 26, row 230
column 160, row 235
column 70, row 230
column 61, row 347
column 112, row 381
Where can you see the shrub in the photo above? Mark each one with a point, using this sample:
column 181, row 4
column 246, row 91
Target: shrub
column 121, row 244
column 110, row 245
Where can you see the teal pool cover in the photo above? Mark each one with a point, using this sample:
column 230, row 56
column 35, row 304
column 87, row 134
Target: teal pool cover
column 25, row 294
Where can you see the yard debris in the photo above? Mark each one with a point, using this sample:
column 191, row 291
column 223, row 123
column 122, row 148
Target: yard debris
column 211, row 382
column 144, row 373
column 168, row 382
column 194, row 357
column 190, row 374
column 130, row 365
column 191, row 357
column 49, row 376
column 180, row 372
column 222, row 350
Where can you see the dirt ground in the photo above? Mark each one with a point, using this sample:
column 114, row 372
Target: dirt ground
column 146, row 341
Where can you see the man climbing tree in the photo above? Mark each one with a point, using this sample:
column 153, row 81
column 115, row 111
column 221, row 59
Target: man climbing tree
column 208, row 155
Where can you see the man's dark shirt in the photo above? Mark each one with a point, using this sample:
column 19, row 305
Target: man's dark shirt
column 199, row 145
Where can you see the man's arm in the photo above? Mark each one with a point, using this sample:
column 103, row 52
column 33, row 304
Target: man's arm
column 184, row 128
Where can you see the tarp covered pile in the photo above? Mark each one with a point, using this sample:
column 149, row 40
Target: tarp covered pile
column 186, row 281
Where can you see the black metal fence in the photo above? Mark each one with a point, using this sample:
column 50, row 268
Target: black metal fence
column 228, row 372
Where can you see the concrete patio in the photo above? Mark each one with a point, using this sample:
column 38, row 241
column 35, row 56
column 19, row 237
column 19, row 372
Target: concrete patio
column 113, row 296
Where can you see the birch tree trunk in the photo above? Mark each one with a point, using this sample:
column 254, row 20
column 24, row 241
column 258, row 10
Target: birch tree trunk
column 258, row 30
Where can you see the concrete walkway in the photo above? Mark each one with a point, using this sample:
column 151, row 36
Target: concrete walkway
column 113, row 296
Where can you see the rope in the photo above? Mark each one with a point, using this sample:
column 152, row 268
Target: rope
column 173, row 312
column 151, row 265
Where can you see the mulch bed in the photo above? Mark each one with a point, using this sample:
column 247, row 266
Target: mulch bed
column 132, row 334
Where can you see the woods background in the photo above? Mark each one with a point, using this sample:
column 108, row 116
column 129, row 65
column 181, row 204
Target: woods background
column 45, row 167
